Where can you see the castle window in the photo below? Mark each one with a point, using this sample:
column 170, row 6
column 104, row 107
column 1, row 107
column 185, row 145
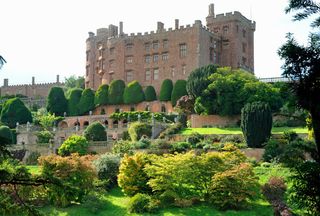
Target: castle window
column 211, row 54
column 129, row 59
column 244, row 61
column 216, row 30
column 165, row 56
column 87, row 71
column 156, row 74
column 165, row 43
column 155, row 58
column 244, row 47
column 148, row 75
column 129, row 47
column 111, row 50
column 183, row 69
column 147, row 47
column 225, row 29
column 183, row 50
column 244, row 33
column 100, row 53
column 147, row 59
column 87, row 55
column 211, row 39
column 155, row 45
column 129, row 76
column 237, row 28
column 111, row 63
column 173, row 70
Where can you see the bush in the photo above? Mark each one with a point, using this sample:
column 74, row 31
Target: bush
column 14, row 111
column 171, row 130
column 107, row 166
column 160, row 144
column 116, row 90
column 233, row 188
column 95, row 132
column 33, row 158
column 273, row 150
column 73, row 177
column 94, row 203
column 150, row 93
column 194, row 138
column 180, row 147
column 5, row 135
column 133, row 93
column 101, row 95
column 138, row 129
column 86, row 103
column 132, row 178
column 256, row 123
column 143, row 143
column 178, row 91
column 44, row 136
column 122, row 147
column 166, row 90
column 74, row 144
column 274, row 189
column 56, row 101
column 73, row 102
column 139, row 203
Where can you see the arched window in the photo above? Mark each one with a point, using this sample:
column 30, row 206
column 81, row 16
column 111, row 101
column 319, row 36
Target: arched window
column 125, row 123
column 115, row 124
column 85, row 124
column 106, row 123
column 132, row 108
column 147, row 108
column 163, row 108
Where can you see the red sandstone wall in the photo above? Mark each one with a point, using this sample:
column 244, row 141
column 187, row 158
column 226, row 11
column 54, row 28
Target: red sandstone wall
column 198, row 121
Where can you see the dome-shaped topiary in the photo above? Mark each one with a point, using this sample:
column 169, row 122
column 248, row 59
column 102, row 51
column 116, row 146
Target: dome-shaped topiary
column 116, row 90
column 101, row 95
column 150, row 93
column 133, row 93
column 166, row 90
column 178, row 91
column 86, row 103
column 73, row 102
column 56, row 102
column 95, row 132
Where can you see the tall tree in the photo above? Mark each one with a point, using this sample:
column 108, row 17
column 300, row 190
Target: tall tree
column 73, row 101
column 56, row 102
column 101, row 95
column 74, row 82
column 86, row 103
column 116, row 90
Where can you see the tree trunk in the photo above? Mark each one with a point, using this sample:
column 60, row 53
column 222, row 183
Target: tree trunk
column 315, row 115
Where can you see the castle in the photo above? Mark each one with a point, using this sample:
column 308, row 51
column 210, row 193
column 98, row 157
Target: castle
column 226, row 40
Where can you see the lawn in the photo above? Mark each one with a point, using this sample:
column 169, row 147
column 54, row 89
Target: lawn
column 34, row 169
column 275, row 130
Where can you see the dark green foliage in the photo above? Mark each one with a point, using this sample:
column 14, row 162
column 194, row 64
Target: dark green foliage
column 86, row 103
column 198, row 80
column 73, row 102
column 256, row 123
column 133, row 93
column 5, row 135
column 101, row 95
column 15, row 111
column 139, row 203
column 44, row 136
column 172, row 129
column 74, row 144
column 144, row 116
column 56, row 101
column 194, row 138
column 122, row 147
column 33, row 158
column 116, row 90
column 178, row 91
column 273, row 150
column 166, row 90
column 180, row 147
column 150, row 93
column 95, row 132
column 74, row 82
column 138, row 129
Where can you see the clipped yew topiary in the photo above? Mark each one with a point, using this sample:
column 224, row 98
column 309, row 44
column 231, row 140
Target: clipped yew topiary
column 101, row 95
column 56, row 102
column 133, row 93
column 178, row 91
column 86, row 103
column 116, row 90
column 166, row 90
column 256, row 123
column 150, row 93
column 138, row 129
column 73, row 102
column 95, row 132
column 14, row 111
column 5, row 135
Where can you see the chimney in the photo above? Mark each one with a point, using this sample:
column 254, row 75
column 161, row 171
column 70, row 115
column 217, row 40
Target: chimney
column 211, row 10
column 160, row 26
column 5, row 82
column 121, row 28
column 33, row 81
column 176, row 22
column 91, row 34
column 58, row 79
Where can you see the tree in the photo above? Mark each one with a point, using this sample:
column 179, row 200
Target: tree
column 256, row 123
column 95, row 132
column 14, row 111
column 133, row 93
column 166, row 90
column 74, row 144
column 86, row 103
column 178, row 91
column 73, row 101
column 198, row 80
column 2, row 61
column 116, row 90
column 56, row 102
column 101, row 95
column 185, row 105
column 74, row 82
column 150, row 93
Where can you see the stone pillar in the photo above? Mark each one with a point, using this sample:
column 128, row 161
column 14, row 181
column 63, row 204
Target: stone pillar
column 211, row 10
column 33, row 81
column 58, row 79
column 121, row 28
column 160, row 26
column 176, row 23
column 5, row 82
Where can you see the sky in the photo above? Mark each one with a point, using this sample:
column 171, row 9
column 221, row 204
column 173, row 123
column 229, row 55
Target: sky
column 44, row 38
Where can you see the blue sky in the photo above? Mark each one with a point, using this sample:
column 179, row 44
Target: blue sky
column 43, row 38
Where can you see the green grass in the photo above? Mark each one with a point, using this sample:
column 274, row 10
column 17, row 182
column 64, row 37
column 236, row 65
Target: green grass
column 34, row 169
column 275, row 130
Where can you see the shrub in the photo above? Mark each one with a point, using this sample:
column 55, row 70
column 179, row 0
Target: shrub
column 233, row 188
column 73, row 177
column 132, row 177
column 44, row 136
column 107, row 166
column 160, row 144
column 139, row 203
column 116, row 90
column 86, row 103
column 256, row 123
column 138, row 129
column 172, row 129
column 166, row 90
column 143, row 143
column 185, row 104
column 180, row 147
column 95, row 132
column 33, row 158
column 274, row 189
column 5, row 135
column 74, row 144
column 73, row 102
column 14, row 111
column 56, row 101
column 122, row 147
column 133, row 93
column 178, row 91
column 273, row 150
column 94, row 203
column 150, row 93
column 101, row 95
